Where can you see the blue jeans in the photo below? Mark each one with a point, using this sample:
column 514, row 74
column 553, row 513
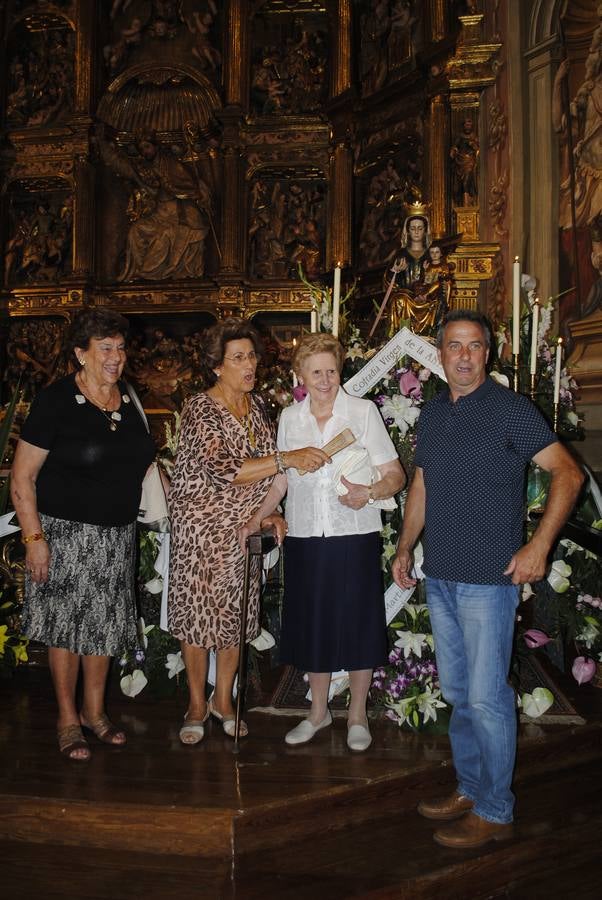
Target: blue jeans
column 473, row 626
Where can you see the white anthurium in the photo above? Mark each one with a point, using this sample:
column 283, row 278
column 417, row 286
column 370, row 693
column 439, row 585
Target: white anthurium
column 527, row 592
column 174, row 664
column 401, row 410
column 131, row 685
column 500, row 378
column 537, row 703
column 263, row 641
column 559, row 576
column 572, row 418
column 155, row 585
column 143, row 631
column 410, row 642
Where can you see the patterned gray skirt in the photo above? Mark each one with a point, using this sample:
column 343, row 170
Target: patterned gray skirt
column 88, row 604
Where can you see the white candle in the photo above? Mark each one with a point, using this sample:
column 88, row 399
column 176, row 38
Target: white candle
column 336, row 300
column 314, row 319
column 557, row 371
column 516, row 307
column 534, row 342
column 294, row 378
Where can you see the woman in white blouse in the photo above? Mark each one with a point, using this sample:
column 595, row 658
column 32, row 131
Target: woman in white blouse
column 333, row 614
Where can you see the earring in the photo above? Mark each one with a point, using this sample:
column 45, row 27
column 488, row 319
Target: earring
column 82, row 362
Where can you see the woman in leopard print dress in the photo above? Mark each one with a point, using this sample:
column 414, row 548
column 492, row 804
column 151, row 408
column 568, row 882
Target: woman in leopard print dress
column 228, row 479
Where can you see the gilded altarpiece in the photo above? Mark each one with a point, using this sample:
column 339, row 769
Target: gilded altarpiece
column 180, row 160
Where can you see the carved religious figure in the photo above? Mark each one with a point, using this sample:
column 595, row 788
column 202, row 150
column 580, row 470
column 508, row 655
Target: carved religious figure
column 421, row 281
column 289, row 76
column 169, row 209
column 464, row 153
column 39, row 243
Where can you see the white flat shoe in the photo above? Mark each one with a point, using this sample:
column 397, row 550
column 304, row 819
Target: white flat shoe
column 358, row 737
column 305, row 731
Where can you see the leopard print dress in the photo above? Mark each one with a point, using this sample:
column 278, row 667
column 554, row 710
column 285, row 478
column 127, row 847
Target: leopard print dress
column 206, row 562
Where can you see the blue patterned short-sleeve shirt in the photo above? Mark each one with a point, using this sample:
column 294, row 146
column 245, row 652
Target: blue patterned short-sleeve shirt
column 474, row 455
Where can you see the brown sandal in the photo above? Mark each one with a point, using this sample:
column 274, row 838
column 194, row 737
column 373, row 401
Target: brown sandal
column 71, row 739
column 104, row 730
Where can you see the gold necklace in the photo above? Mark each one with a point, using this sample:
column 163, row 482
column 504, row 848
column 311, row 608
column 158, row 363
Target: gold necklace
column 245, row 419
column 112, row 416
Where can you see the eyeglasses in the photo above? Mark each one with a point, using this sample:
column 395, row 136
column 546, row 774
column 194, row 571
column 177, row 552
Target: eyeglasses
column 239, row 359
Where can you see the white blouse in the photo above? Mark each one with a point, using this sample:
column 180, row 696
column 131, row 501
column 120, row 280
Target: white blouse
column 313, row 508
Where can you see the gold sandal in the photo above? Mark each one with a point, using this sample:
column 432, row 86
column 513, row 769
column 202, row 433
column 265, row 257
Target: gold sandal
column 71, row 739
column 104, row 731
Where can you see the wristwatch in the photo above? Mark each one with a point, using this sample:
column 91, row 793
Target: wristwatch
column 370, row 497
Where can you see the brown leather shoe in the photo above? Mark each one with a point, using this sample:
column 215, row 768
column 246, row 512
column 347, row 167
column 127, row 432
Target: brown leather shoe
column 451, row 807
column 472, row 831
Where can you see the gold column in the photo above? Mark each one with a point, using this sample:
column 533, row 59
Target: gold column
column 438, row 163
column 437, row 20
column 340, row 204
column 233, row 215
column 341, row 75
column 235, row 53
column 85, row 43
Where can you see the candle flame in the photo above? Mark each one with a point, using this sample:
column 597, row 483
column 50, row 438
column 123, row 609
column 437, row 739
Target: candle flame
column 516, row 259
column 294, row 342
column 559, row 340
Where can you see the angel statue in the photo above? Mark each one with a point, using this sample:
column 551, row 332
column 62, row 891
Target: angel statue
column 419, row 290
column 169, row 210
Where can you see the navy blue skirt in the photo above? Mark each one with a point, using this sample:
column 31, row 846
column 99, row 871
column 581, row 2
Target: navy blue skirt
column 333, row 615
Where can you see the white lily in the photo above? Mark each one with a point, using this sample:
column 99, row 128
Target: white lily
column 428, row 704
column 412, row 643
column 387, row 532
column 401, row 410
column 174, row 664
column 131, row 685
column 537, row 703
column 589, row 634
column 559, row 576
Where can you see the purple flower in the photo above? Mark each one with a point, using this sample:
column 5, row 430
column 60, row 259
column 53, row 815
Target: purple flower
column 410, row 386
column 536, row 638
column 300, row 393
column 139, row 656
column 583, row 669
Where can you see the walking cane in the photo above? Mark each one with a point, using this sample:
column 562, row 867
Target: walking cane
column 258, row 543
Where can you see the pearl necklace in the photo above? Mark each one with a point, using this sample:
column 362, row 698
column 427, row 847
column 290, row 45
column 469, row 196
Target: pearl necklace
column 112, row 416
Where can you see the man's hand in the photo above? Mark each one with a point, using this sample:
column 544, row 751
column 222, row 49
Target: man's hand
column 528, row 564
column 401, row 568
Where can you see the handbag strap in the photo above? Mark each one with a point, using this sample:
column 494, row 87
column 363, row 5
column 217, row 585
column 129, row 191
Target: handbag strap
column 137, row 403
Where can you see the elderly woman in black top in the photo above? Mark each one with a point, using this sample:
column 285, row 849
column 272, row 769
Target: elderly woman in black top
column 76, row 485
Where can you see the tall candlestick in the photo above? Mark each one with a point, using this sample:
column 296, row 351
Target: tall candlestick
column 516, row 307
column 557, row 371
column 314, row 319
column 534, row 341
column 336, row 300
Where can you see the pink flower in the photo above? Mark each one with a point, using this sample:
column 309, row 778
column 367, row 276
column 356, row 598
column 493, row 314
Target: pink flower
column 409, row 385
column 535, row 638
column 300, row 393
column 583, row 669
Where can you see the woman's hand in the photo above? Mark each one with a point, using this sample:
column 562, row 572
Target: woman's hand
column 307, row 459
column 357, row 494
column 245, row 530
column 37, row 561
column 276, row 522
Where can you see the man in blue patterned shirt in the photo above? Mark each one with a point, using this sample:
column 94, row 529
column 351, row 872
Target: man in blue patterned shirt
column 474, row 443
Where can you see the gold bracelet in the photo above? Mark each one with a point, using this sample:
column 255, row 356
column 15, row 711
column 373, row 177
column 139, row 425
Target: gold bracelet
column 31, row 538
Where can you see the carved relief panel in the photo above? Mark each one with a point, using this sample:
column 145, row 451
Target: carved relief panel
column 287, row 223
column 40, row 71
column 289, row 75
